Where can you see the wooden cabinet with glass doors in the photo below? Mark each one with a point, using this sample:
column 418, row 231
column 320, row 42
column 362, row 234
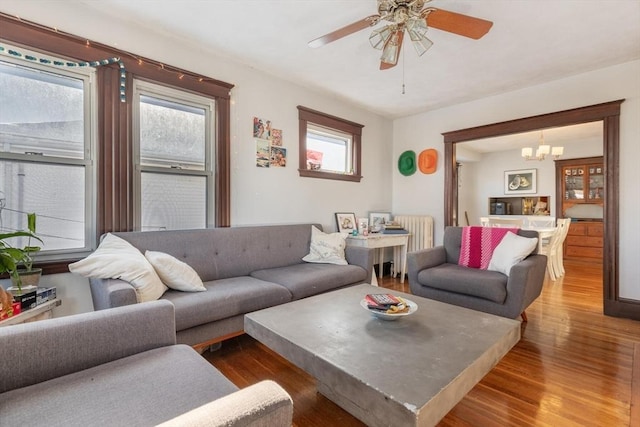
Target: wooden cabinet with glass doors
column 580, row 190
column 583, row 183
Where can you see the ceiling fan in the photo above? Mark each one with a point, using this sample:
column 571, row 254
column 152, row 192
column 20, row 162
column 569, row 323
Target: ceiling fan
column 413, row 17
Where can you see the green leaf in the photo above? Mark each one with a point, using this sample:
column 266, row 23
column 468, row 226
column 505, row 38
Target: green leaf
column 31, row 222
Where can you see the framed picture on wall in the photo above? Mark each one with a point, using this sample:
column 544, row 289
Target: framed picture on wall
column 346, row 222
column 521, row 181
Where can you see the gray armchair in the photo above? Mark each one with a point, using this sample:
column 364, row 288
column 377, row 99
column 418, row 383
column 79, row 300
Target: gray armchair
column 434, row 273
column 122, row 367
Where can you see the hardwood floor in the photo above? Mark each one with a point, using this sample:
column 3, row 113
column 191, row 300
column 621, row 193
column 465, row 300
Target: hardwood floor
column 572, row 367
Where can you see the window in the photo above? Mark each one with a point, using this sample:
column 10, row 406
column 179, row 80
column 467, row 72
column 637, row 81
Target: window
column 330, row 147
column 46, row 167
column 173, row 136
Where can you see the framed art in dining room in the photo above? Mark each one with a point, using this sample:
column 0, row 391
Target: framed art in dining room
column 523, row 181
column 346, row 222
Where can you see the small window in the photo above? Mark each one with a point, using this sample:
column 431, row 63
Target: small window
column 330, row 147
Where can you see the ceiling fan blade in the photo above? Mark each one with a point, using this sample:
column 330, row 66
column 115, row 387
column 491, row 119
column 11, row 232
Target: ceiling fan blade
column 369, row 21
column 457, row 23
column 391, row 51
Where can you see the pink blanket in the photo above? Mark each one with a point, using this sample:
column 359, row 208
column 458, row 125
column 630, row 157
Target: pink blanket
column 478, row 244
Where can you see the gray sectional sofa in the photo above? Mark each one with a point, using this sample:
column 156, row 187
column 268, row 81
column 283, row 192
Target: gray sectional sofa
column 243, row 268
column 122, row 367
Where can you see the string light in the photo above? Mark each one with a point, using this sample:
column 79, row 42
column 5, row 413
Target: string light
column 55, row 62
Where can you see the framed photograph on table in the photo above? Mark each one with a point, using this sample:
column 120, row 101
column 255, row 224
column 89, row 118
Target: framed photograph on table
column 378, row 219
column 521, row 181
column 346, row 222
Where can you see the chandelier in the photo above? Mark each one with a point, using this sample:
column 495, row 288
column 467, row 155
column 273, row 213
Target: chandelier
column 542, row 151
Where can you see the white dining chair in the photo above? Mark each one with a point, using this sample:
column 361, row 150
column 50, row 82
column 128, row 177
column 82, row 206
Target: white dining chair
column 484, row 221
column 541, row 222
column 558, row 265
column 553, row 250
column 506, row 222
column 547, row 248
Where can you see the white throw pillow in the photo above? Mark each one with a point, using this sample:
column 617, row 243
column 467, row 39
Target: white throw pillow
column 174, row 273
column 511, row 250
column 326, row 248
column 115, row 258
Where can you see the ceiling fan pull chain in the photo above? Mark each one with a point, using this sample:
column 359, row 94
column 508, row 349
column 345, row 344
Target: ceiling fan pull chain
column 403, row 72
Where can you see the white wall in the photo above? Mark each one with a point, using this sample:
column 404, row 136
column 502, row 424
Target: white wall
column 258, row 195
column 425, row 193
column 279, row 195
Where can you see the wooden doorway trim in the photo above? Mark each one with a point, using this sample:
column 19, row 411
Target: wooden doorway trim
column 609, row 114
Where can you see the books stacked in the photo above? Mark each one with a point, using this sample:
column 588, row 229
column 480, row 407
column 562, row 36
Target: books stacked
column 393, row 228
column 386, row 303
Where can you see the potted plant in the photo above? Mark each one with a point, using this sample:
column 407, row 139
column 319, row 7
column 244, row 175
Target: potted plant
column 11, row 258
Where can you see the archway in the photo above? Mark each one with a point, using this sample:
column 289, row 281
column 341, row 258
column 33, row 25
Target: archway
column 609, row 114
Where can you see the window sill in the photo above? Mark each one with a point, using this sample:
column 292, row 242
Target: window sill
column 329, row 175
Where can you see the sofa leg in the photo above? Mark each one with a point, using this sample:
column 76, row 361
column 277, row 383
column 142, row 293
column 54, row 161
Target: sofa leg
column 524, row 316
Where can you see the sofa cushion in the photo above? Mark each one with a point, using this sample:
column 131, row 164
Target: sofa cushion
column 115, row 258
column 304, row 280
column 326, row 248
column 486, row 284
column 125, row 392
column 225, row 298
column 511, row 250
column 174, row 273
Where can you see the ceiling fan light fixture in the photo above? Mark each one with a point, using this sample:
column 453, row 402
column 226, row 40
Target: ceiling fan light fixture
column 422, row 45
column 417, row 28
column 379, row 38
column 391, row 50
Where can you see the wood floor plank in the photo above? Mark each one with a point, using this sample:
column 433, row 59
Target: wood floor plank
column 573, row 367
column 635, row 387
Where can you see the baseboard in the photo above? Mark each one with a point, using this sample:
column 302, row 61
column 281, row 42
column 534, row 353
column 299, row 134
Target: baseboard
column 629, row 309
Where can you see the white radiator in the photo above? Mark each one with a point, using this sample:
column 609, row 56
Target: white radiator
column 421, row 229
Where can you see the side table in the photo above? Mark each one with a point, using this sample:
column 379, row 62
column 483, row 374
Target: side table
column 40, row 312
column 381, row 241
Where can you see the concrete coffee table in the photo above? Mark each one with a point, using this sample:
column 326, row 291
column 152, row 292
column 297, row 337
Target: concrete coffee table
column 408, row 372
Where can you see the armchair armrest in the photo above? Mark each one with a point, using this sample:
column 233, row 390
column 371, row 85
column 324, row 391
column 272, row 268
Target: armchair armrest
column 424, row 258
column 525, row 281
column 361, row 256
column 110, row 293
column 39, row 351
column 264, row 404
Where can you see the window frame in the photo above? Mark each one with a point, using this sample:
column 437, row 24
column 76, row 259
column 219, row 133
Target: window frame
column 90, row 104
column 143, row 87
column 113, row 166
column 308, row 116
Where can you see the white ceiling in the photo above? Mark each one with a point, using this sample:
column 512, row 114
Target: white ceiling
column 531, row 41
